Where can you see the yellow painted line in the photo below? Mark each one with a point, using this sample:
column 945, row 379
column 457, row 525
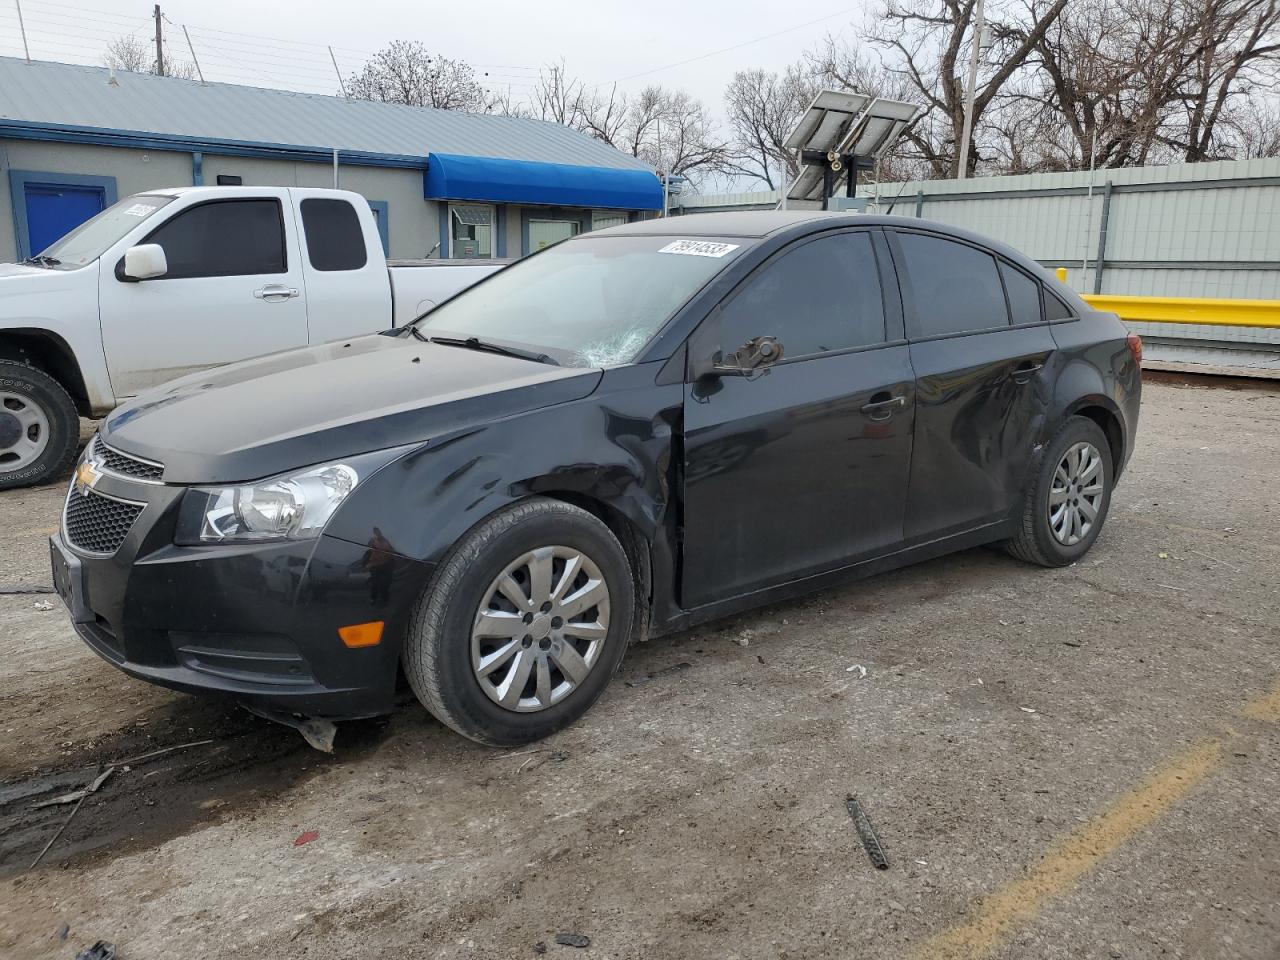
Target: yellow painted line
column 1070, row 858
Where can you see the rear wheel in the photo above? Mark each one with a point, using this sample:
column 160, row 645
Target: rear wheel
column 523, row 625
column 1066, row 505
column 39, row 426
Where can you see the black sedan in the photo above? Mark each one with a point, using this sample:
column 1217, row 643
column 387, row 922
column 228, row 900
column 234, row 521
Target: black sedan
column 633, row 431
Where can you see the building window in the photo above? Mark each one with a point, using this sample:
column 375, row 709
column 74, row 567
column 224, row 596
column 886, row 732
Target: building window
column 471, row 230
column 601, row 219
column 543, row 233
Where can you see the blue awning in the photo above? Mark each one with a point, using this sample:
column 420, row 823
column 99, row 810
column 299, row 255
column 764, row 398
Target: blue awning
column 495, row 180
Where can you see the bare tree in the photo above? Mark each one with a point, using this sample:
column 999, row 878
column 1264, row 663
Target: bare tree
column 405, row 72
column 557, row 97
column 763, row 108
column 138, row 56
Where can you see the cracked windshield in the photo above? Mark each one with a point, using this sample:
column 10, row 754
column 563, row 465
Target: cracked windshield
column 589, row 302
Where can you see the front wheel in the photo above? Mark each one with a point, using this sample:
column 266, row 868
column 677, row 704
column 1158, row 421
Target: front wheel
column 523, row 625
column 1066, row 504
column 39, row 426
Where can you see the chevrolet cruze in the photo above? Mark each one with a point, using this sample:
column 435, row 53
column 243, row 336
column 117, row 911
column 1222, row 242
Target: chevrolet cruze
column 631, row 432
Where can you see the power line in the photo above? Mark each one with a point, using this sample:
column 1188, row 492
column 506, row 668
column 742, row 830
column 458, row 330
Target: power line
column 736, row 46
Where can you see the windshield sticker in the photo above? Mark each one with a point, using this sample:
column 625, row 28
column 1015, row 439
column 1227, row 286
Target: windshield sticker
column 700, row 248
column 138, row 210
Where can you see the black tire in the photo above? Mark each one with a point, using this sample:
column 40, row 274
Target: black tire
column 42, row 391
column 437, row 652
column 1034, row 541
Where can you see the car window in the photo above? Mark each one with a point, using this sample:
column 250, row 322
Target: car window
column 334, row 238
column 225, row 238
column 1024, row 294
column 1055, row 309
column 955, row 286
column 820, row 296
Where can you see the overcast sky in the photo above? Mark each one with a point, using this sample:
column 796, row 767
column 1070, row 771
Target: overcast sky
column 281, row 42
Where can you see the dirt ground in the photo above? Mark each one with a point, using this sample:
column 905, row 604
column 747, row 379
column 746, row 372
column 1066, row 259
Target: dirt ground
column 1081, row 763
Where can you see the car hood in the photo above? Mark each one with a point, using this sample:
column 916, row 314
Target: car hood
column 286, row 410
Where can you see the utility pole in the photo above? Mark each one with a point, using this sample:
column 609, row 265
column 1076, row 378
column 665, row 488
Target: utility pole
column 194, row 58
column 160, row 44
column 975, row 52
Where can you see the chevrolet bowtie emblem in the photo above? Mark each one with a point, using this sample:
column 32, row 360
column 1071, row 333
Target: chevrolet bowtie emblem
column 86, row 478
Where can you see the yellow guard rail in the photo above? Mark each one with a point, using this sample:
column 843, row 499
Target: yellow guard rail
column 1226, row 313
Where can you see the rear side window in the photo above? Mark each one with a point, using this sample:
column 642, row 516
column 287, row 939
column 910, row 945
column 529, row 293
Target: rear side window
column 956, row 287
column 334, row 238
column 821, row 296
column 226, row 238
column 1055, row 309
column 1024, row 294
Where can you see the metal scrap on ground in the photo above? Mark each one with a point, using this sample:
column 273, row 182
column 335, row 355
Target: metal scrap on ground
column 867, row 833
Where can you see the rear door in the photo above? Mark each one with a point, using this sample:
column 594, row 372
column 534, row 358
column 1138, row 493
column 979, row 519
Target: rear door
column 233, row 290
column 804, row 468
column 980, row 348
column 348, row 290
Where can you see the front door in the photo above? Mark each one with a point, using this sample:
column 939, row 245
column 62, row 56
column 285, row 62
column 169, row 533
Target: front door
column 804, row 468
column 54, row 210
column 980, row 356
column 234, row 290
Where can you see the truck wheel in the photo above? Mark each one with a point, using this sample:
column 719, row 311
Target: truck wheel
column 39, row 426
column 1065, row 506
column 523, row 625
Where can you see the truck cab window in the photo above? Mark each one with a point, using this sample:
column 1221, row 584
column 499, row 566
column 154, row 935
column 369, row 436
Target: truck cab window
column 821, row 296
column 335, row 240
column 224, row 238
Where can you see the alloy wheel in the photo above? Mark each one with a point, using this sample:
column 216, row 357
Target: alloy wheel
column 1075, row 496
column 540, row 628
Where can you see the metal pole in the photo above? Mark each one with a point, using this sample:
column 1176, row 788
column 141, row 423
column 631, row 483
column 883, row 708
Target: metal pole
column 335, row 168
column 22, row 27
column 341, row 84
column 159, row 44
column 782, row 182
column 194, row 60
column 968, row 97
column 1088, row 220
column 1102, row 237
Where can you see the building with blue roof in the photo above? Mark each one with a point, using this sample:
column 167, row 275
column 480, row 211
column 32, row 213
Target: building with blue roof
column 442, row 183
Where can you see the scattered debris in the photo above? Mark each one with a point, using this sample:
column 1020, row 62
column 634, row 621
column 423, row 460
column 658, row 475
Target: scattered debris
column 306, row 837
column 862, row 671
column 743, row 639
column 317, row 732
column 559, row 756
column 540, row 947
column 63, row 932
column 1027, row 709
column 759, row 659
column 94, row 785
column 867, row 833
column 674, row 668
column 573, row 940
column 80, row 794
column 23, row 589
column 43, row 605
column 157, row 753
column 99, row 951
column 1162, row 555
column 1071, row 643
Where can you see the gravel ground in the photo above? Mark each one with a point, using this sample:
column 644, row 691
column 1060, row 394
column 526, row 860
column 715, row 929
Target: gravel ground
column 1073, row 764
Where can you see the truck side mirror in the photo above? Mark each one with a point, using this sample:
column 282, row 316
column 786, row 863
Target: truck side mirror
column 145, row 262
column 750, row 360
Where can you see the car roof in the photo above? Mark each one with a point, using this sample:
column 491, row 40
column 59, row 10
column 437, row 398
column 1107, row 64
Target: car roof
column 741, row 223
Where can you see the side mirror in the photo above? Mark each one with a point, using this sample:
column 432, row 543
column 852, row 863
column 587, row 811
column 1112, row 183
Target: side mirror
column 145, row 262
column 750, row 360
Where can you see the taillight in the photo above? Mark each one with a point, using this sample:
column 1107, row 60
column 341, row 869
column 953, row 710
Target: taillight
column 1135, row 346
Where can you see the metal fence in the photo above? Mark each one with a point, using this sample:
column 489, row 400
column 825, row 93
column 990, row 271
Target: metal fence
column 1206, row 230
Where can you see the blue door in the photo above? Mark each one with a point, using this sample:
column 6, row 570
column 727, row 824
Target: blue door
column 54, row 210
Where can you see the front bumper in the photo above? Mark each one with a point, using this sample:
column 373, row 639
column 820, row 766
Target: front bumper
column 256, row 622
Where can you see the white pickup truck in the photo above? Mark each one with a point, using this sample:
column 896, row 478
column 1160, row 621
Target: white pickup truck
column 170, row 282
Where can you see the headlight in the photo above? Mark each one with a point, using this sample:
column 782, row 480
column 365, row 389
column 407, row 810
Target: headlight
column 295, row 506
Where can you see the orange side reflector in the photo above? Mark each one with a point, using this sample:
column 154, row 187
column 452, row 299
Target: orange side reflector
column 362, row 634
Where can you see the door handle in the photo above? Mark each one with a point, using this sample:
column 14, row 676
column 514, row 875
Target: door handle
column 1023, row 372
column 882, row 406
column 275, row 292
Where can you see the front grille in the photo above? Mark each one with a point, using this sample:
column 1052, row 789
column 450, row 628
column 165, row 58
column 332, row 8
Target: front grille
column 96, row 523
column 117, row 462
